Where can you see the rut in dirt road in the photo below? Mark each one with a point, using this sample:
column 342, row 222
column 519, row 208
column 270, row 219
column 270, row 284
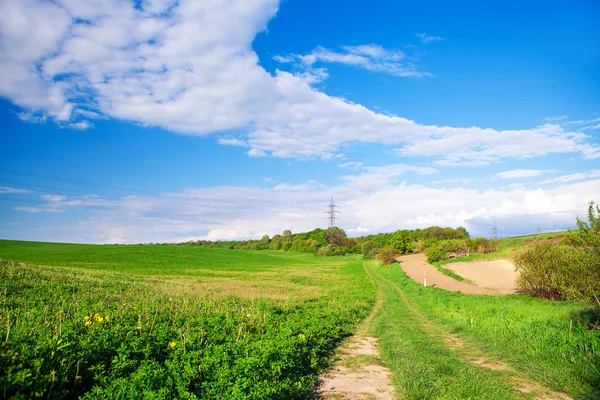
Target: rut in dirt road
column 356, row 375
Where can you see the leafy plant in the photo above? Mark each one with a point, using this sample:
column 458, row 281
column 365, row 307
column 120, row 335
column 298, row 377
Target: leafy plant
column 387, row 255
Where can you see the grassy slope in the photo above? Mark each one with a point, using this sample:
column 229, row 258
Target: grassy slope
column 538, row 339
column 509, row 247
column 171, row 322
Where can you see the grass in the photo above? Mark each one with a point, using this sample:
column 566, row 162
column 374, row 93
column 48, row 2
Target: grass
column 190, row 322
column 423, row 366
column 541, row 340
column 171, row 322
column 450, row 273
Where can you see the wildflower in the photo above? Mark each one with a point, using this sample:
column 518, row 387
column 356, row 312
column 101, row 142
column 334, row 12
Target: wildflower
column 87, row 317
column 248, row 315
column 88, row 322
column 106, row 318
column 99, row 318
column 302, row 337
column 172, row 345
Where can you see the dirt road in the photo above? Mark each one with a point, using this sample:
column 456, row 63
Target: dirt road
column 497, row 274
column 425, row 359
column 416, row 267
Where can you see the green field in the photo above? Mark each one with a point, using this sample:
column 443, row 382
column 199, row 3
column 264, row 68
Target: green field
column 191, row 322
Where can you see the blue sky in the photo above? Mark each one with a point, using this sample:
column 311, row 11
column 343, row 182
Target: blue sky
column 159, row 121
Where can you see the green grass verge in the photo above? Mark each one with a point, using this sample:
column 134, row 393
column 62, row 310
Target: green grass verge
column 450, row 273
column 541, row 339
column 422, row 365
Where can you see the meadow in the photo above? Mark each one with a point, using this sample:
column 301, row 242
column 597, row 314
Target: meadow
column 191, row 322
column 171, row 322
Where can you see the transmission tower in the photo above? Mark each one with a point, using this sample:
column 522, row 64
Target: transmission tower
column 494, row 232
column 331, row 213
column 539, row 230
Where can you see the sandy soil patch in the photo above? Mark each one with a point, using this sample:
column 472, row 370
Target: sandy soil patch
column 497, row 274
column 353, row 377
column 417, row 268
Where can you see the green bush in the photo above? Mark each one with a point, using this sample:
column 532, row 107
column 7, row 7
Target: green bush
column 387, row 255
column 552, row 272
column 566, row 271
column 442, row 250
column 369, row 250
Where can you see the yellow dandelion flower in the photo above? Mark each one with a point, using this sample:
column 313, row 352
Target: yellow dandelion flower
column 99, row 318
column 88, row 323
column 172, row 345
column 106, row 318
column 302, row 337
column 87, row 317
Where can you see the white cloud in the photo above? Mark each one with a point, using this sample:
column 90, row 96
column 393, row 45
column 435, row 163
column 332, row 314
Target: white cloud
column 425, row 38
column 53, row 198
column 12, row 190
column 371, row 57
column 351, row 164
column 460, row 181
column 153, row 65
column 250, row 212
column 574, row 177
column 232, row 142
column 81, row 125
column 591, row 127
column 556, row 119
column 359, row 230
column 521, row 173
column 291, row 188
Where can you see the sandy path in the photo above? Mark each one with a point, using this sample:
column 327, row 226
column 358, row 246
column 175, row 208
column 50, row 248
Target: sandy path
column 355, row 375
column 497, row 274
column 415, row 264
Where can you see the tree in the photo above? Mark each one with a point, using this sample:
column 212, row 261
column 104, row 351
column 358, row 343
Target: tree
column 287, row 233
column 462, row 233
column 400, row 241
column 335, row 236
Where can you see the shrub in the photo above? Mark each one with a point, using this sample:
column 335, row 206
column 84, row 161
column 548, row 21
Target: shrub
column 368, row 249
column 566, row 271
column 441, row 250
column 387, row 255
column 419, row 247
column 552, row 272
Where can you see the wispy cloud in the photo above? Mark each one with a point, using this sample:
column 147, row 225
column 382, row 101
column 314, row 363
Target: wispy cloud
column 426, row 38
column 377, row 205
column 351, row 164
column 594, row 174
column 371, row 57
column 590, row 127
column 521, row 173
column 81, row 125
column 460, row 181
column 12, row 190
column 556, row 119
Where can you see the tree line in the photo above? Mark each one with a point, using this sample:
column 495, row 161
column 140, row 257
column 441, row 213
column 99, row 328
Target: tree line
column 334, row 241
